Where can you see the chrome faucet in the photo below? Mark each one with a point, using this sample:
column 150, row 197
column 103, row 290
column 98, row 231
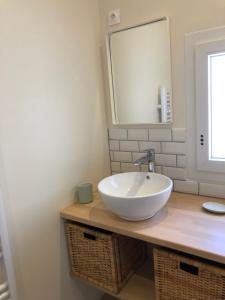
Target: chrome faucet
column 149, row 158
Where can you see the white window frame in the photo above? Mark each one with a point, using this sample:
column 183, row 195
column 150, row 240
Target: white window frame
column 198, row 46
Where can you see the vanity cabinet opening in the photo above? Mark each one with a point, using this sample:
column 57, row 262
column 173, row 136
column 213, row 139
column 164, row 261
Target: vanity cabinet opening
column 102, row 258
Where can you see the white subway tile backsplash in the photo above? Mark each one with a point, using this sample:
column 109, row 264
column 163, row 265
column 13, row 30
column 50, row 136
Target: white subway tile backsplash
column 174, row 173
column 138, row 134
column 187, row 186
column 122, row 156
column 173, row 148
column 160, row 135
column 181, row 161
column 166, row 160
column 144, row 168
column 114, row 173
column 115, row 166
column 150, row 145
column 114, row 145
column 158, row 169
column 129, row 146
column 111, row 155
column 117, row 134
column 212, row 190
column 129, row 167
column 138, row 155
column 179, row 134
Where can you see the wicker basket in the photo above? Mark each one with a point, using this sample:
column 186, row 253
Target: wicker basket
column 105, row 259
column 182, row 278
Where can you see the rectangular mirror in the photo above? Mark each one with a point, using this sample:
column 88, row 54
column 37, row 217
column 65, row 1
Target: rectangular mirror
column 140, row 74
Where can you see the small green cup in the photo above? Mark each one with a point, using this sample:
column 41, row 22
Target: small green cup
column 84, row 193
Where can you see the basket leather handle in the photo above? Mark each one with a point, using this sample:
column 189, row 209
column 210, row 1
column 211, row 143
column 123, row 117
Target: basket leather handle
column 189, row 268
column 89, row 236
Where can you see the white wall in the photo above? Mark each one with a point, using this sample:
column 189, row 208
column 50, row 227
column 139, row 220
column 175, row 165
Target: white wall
column 185, row 16
column 52, row 132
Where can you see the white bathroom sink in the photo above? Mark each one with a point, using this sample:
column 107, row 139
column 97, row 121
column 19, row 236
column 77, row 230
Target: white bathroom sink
column 135, row 196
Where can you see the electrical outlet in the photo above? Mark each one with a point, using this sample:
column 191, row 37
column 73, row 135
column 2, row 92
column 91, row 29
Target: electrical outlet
column 114, row 17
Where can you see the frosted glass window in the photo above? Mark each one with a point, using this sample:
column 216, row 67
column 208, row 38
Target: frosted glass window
column 205, row 66
column 216, row 92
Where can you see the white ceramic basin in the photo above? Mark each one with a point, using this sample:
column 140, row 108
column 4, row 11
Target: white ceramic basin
column 135, row 196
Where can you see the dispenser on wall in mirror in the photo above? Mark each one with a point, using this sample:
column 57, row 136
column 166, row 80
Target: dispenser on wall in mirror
column 165, row 105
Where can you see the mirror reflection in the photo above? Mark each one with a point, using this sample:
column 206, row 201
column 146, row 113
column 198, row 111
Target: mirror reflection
column 140, row 74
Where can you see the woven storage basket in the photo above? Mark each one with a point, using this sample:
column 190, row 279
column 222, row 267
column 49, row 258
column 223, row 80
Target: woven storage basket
column 103, row 258
column 181, row 278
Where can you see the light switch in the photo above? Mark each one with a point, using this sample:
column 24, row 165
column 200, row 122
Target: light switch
column 114, row 17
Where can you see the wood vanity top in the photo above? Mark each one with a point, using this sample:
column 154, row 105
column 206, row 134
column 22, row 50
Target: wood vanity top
column 181, row 225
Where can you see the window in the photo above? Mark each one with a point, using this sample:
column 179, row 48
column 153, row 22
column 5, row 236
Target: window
column 205, row 66
column 210, row 105
column 216, row 102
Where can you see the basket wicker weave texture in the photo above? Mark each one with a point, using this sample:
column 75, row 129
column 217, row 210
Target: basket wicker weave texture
column 182, row 278
column 102, row 258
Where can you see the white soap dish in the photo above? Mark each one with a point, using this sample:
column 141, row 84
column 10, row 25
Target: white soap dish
column 214, row 207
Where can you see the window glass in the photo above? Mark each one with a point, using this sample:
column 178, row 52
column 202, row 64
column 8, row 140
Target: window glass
column 216, row 93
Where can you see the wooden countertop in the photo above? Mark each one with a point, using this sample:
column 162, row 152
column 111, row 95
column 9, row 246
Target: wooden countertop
column 181, row 225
